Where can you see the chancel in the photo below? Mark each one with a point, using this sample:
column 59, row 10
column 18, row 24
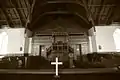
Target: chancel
column 82, row 37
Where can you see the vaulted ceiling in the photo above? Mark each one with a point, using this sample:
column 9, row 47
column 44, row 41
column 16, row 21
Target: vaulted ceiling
column 17, row 13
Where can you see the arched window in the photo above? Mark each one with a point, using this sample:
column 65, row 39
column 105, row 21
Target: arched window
column 116, row 36
column 3, row 43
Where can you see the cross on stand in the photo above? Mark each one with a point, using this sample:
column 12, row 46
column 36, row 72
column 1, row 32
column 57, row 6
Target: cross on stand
column 56, row 63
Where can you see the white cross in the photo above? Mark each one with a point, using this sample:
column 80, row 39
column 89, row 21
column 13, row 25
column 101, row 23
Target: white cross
column 56, row 63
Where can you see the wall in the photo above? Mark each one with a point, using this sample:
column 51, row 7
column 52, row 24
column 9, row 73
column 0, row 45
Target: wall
column 15, row 40
column 92, row 40
column 47, row 41
column 76, row 40
column 40, row 40
column 104, row 38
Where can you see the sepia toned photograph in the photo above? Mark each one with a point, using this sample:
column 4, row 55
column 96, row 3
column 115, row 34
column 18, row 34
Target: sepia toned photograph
column 59, row 39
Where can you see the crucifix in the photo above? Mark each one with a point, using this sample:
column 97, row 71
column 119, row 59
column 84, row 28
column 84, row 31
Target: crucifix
column 56, row 63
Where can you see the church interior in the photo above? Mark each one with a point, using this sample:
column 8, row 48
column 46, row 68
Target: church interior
column 83, row 34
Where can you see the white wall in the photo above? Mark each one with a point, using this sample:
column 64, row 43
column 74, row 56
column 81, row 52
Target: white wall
column 30, row 46
column 92, row 40
column 104, row 38
column 15, row 40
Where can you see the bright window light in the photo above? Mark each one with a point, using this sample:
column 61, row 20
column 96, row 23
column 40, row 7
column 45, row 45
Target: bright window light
column 42, row 50
column 3, row 43
column 77, row 49
column 116, row 36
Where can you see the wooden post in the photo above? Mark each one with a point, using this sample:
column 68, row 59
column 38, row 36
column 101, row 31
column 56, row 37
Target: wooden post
column 80, row 51
column 71, row 56
column 40, row 50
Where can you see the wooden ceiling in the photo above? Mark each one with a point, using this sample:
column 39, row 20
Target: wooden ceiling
column 18, row 13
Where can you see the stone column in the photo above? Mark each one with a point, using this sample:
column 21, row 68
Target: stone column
column 92, row 41
column 28, row 34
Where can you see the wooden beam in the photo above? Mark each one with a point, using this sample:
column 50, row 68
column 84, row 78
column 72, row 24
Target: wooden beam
column 31, row 4
column 31, row 7
column 5, row 14
column 97, row 20
column 9, row 20
column 109, row 13
column 89, row 14
column 15, row 4
column 110, row 16
column 80, row 51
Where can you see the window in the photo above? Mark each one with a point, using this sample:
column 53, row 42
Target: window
column 3, row 43
column 116, row 36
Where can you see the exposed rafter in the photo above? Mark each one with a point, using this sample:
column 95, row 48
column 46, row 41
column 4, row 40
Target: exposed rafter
column 30, row 2
column 9, row 20
column 99, row 11
column 30, row 10
column 30, row 7
column 110, row 13
column 89, row 13
column 97, row 20
column 15, row 4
